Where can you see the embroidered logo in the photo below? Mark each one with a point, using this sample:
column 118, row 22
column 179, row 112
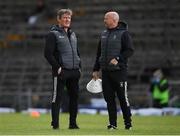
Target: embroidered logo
column 61, row 36
column 121, row 84
column 103, row 37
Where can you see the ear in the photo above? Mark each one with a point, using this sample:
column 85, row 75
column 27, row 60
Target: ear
column 58, row 18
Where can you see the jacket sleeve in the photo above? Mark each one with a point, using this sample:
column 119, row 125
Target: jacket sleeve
column 98, row 54
column 127, row 46
column 49, row 51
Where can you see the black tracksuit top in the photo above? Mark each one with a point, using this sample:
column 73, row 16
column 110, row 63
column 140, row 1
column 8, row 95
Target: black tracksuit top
column 61, row 49
column 110, row 47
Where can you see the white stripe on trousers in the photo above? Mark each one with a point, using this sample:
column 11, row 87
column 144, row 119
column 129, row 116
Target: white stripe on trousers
column 55, row 90
column 126, row 97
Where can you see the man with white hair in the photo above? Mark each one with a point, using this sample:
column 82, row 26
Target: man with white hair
column 114, row 49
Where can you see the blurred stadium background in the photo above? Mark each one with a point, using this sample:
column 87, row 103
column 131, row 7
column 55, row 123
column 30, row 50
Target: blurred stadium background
column 25, row 76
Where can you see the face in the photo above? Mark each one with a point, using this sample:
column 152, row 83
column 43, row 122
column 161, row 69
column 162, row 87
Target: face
column 108, row 21
column 65, row 20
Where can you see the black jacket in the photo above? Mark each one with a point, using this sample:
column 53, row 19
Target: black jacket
column 61, row 49
column 126, row 48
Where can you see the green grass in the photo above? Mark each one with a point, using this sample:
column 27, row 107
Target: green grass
column 21, row 124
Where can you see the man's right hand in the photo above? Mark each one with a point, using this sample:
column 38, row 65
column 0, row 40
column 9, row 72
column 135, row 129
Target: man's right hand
column 59, row 70
column 95, row 75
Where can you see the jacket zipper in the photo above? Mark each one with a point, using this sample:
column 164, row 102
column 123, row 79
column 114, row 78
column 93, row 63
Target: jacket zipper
column 72, row 50
column 106, row 49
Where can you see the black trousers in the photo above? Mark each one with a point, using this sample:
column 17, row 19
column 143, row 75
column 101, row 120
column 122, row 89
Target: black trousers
column 115, row 83
column 70, row 80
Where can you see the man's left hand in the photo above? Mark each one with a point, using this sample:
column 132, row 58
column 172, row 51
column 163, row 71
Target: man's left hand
column 114, row 62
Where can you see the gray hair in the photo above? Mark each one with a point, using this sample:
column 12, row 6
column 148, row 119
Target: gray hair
column 64, row 11
column 115, row 15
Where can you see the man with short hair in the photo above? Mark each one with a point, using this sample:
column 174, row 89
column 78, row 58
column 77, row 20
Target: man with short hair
column 114, row 49
column 62, row 53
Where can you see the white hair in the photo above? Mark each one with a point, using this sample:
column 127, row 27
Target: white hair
column 114, row 15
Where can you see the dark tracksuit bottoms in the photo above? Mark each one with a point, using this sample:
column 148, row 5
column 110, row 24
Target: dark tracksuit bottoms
column 70, row 79
column 113, row 84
